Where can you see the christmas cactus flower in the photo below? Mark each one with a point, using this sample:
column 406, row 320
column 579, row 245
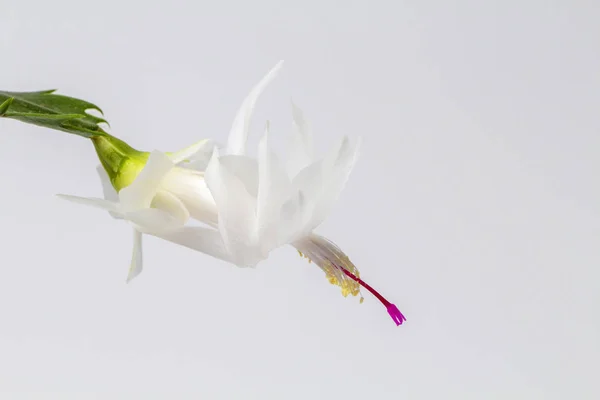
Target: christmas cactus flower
column 247, row 206
column 156, row 197
column 263, row 204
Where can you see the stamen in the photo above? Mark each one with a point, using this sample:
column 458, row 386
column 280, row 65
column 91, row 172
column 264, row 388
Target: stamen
column 391, row 308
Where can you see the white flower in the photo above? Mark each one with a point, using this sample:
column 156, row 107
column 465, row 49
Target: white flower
column 263, row 204
column 249, row 206
column 157, row 197
column 159, row 202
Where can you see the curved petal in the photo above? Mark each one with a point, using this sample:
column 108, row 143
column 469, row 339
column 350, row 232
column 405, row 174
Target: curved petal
column 309, row 182
column 239, row 130
column 200, row 149
column 243, row 168
column 274, row 189
column 301, row 152
column 153, row 221
column 236, row 211
column 322, row 182
column 205, row 240
column 172, row 205
column 190, row 187
column 103, row 204
column 136, row 257
column 292, row 218
column 336, row 170
column 200, row 160
column 108, row 190
column 139, row 194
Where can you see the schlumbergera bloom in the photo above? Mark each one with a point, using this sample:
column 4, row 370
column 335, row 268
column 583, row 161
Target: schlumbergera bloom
column 156, row 196
column 247, row 206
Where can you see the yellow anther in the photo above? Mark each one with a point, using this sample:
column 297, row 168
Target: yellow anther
column 332, row 278
column 345, row 290
column 336, row 277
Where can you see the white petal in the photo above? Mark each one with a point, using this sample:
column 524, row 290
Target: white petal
column 139, row 194
column 200, row 149
column 336, row 170
column 136, row 258
column 322, row 181
column 309, row 182
column 107, row 188
column 198, row 164
column 243, row 168
column 239, row 130
column 103, row 204
column 274, row 189
column 236, row 208
column 153, row 221
column 292, row 218
column 205, row 240
column 301, row 152
column 172, row 205
column 190, row 187
column 200, row 160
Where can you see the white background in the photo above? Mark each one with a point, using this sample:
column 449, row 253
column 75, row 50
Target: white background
column 474, row 206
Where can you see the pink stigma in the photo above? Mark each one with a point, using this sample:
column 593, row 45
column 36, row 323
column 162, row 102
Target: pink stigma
column 391, row 308
column 395, row 314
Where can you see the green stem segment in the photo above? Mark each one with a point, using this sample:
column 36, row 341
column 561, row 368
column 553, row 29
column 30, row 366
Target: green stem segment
column 54, row 111
column 49, row 110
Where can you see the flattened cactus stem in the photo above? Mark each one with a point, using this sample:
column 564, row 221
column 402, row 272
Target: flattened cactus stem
column 4, row 106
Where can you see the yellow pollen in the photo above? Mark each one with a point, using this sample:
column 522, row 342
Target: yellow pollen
column 338, row 278
column 347, row 285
